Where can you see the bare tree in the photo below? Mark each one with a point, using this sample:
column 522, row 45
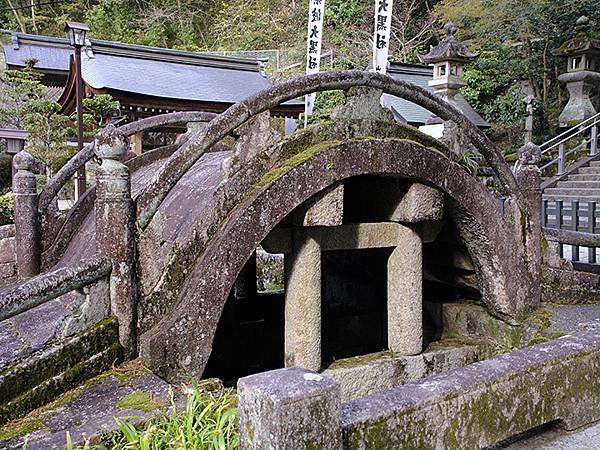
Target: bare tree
column 413, row 26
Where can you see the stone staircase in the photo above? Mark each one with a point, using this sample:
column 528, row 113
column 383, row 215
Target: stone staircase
column 582, row 186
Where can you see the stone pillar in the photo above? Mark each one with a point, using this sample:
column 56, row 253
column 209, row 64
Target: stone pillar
column 529, row 179
column 303, row 302
column 405, row 294
column 289, row 409
column 27, row 219
column 245, row 285
column 115, row 232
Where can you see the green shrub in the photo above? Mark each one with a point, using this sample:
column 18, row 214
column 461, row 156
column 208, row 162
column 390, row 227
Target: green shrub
column 208, row 422
column 7, row 206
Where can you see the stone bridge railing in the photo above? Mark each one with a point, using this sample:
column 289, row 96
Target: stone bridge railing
column 43, row 288
column 33, row 212
column 472, row 407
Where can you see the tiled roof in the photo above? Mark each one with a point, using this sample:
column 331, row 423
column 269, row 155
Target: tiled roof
column 404, row 110
column 144, row 70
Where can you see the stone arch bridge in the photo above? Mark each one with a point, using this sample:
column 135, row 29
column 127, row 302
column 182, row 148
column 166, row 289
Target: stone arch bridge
column 173, row 233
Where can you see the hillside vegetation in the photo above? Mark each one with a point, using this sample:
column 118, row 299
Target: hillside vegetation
column 514, row 37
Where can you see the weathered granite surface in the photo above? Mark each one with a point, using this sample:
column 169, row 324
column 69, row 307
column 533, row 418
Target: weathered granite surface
column 289, row 409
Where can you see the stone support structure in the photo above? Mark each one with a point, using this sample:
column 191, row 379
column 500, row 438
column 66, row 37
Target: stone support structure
column 115, row 231
column 303, row 247
column 27, row 218
column 405, row 294
column 289, row 409
column 303, row 302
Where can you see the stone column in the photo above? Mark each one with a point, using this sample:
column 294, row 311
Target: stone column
column 27, row 219
column 405, row 294
column 303, row 302
column 289, row 409
column 529, row 179
column 115, row 232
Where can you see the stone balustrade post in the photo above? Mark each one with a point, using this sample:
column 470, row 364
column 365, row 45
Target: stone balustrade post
column 529, row 180
column 27, row 218
column 115, row 237
column 289, row 409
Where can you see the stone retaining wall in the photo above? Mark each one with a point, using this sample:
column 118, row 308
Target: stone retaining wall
column 472, row 407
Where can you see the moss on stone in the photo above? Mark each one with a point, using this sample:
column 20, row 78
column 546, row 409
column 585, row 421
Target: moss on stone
column 541, row 316
column 124, row 373
column 356, row 361
column 20, row 428
column 141, row 401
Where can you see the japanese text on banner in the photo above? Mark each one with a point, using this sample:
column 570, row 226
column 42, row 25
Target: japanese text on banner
column 316, row 14
column 381, row 34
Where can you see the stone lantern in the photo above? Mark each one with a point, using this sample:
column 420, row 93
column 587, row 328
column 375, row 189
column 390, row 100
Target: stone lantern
column 583, row 73
column 448, row 58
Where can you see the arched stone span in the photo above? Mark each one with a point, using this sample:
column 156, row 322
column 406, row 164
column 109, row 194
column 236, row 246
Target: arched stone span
column 165, row 179
column 181, row 342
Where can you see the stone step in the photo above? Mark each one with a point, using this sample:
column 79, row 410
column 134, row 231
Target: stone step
column 581, row 192
column 594, row 163
column 130, row 392
column 40, row 358
column 584, row 177
column 585, row 184
column 590, row 170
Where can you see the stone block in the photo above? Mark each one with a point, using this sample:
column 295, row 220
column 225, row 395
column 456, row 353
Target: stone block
column 485, row 402
column 289, row 409
column 419, row 203
column 324, row 209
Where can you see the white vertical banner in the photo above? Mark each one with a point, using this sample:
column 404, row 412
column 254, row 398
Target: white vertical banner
column 381, row 34
column 316, row 12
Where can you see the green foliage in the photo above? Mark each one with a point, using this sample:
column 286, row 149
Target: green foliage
column 16, row 88
column 325, row 102
column 208, row 422
column 47, row 129
column 7, row 206
column 100, row 108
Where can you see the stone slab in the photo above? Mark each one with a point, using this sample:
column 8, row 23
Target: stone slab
column 485, row 402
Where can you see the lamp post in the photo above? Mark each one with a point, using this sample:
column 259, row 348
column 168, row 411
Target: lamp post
column 76, row 33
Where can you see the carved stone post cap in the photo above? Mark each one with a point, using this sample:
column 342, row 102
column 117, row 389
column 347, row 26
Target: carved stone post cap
column 111, row 143
column 529, row 154
column 24, row 161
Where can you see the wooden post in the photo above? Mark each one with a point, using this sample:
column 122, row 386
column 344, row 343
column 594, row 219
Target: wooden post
column 136, row 143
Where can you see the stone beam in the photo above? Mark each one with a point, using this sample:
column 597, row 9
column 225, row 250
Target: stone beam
column 343, row 237
column 324, row 209
column 418, row 204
